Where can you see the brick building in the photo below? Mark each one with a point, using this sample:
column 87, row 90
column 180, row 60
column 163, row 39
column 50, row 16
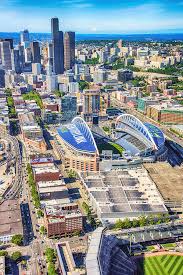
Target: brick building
column 61, row 220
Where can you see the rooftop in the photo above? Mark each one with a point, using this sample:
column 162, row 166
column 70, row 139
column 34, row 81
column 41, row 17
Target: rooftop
column 10, row 217
column 123, row 192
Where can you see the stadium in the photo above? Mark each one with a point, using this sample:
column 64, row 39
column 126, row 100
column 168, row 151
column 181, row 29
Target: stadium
column 81, row 147
column 137, row 138
column 129, row 253
column 77, row 146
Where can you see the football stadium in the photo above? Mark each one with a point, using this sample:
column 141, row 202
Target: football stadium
column 80, row 150
column 137, row 138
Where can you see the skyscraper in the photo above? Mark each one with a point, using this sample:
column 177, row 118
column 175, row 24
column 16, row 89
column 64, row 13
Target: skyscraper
column 54, row 25
column 58, row 47
column 24, row 36
column 36, row 57
column 15, row 59
column 69, row 50
column 5, row 54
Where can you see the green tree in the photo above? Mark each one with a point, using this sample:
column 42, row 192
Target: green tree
column 50, row 255
column 42, row 230
column 51, row 269
column 127, row 223
column 83, row 85
column 119, row 224
column 3, row 253
column 16, row 255
column 135, row 223
column 142, row 221
column 40, row 213
column 17, row 239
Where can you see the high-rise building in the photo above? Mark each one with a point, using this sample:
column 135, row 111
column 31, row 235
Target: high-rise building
column 36, row 57
column 54, row 25
column 15, row 59
column 24, row 36
column 69, row 50
column 69, row 107
column 5, row 54
column 9, row 40
column 91, row 107
column 58, row 47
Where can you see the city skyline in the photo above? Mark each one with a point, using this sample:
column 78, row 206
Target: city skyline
column 92, row 16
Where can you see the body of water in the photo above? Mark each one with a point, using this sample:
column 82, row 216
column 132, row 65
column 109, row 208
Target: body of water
column 80, row 37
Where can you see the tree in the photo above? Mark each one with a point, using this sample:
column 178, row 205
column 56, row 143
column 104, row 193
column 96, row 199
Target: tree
column 3, row 253
column 16, row 255
column 17, row 239
column 40, row 213
column 142, row 221
column 135, row 223
column 42, row 230
column 83, row 85
column 118, row 224
column 51, row 269
column 50, row 255
column 127, row 223
column 72, row 174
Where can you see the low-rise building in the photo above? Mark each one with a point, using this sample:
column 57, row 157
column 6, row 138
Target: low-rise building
column 166, row 114
column 11, row 220
column 61, row 220
column 48, row 172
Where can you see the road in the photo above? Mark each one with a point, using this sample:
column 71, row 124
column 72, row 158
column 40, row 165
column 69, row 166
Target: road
column 16, row 185
column 33, row 238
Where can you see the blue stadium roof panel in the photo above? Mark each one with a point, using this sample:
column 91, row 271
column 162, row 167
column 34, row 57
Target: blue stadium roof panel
column 78, row 138
column 156, row 134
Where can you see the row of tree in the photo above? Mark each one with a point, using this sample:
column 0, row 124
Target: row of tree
column 50, row 254
column 89, row 214
column 142, row 221
column 32, row 184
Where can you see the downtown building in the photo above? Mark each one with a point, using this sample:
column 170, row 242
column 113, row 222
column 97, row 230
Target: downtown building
column 69, row 50
column 5, row 54
column 58, row 47
column 91, row 105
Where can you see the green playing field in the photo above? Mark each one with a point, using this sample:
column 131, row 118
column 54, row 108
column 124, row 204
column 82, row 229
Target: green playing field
column 161, row 265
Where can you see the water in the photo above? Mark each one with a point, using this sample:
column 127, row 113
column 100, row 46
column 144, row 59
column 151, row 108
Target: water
column 79, row 37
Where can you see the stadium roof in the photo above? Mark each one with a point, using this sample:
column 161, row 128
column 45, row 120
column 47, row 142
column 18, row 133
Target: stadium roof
column 156, row 134
column 78, row 136
column 149, row 131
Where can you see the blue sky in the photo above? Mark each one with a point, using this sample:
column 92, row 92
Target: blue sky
column 93, row 16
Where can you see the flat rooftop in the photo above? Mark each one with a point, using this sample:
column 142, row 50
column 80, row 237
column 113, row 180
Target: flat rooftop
column 10, row 217
column 58, row 212
column 45, row 169
column 56, row 183
column 122, row 192
column 168, row 179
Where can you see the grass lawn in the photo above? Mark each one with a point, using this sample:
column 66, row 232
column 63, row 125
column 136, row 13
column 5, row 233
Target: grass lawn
column 117, row 149
column 168, row 245
column 161, row 265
